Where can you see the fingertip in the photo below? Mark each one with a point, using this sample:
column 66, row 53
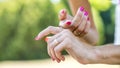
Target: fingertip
column 68, row 22
column 63, row 58
column 81, row 8
column 63, row 11
column 46, row 39
column 58, row 60
column 52, row 59
column 65, row 24
column 85, row 13
column 62, row 14
column 37, row 38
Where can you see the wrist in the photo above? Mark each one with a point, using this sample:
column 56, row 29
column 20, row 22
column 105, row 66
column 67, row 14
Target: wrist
column 94, row 55
column 89, row 35
column 100, row 55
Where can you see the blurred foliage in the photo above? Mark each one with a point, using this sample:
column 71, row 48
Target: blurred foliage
column 99, row 25
column 103, row 13
column 100, row 4
column 102, row 17
column 20, row 22
column 109, row 24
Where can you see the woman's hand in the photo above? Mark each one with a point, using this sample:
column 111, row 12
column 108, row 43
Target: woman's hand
column 77, row 48
column 79, row 24
column 65, row 40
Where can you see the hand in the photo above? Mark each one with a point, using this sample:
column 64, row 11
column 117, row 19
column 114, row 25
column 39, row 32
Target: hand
column 79, row 25
column 65, row 40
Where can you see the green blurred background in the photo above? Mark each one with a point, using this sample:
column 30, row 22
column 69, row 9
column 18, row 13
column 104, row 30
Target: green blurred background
column 22, row 20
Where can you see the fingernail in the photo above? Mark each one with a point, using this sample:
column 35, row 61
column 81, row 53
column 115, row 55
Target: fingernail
column 47, row 38
column 68, row 22
column 81, row 8
column 86, row 13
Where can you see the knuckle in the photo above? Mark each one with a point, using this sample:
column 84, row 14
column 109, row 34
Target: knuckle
column 50, row 27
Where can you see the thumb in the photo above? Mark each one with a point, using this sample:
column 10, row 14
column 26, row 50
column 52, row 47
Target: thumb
column 62, row 14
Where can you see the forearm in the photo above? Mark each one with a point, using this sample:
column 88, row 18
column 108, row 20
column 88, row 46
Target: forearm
column 92, row 36
column 107, row 54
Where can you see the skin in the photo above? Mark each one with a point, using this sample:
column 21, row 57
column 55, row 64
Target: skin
column 81, row 51
column 80, row 23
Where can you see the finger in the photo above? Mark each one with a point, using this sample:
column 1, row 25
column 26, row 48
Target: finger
column 83, row 21
column 51, row 46
column 52, row 54
column 64, row 18
column 76, row 20
column 47, row 31
column 59, row 48
column 62, row 14
column 66, row 22
column 49, row 53
column 87, row 27
column 48, row 50
column 81, row 27
column 54, row 41
column 53, row 38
